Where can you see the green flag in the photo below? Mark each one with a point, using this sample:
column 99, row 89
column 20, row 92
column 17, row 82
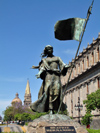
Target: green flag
column 69, row 29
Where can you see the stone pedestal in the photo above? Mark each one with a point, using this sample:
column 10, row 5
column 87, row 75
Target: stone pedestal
column 55, row 120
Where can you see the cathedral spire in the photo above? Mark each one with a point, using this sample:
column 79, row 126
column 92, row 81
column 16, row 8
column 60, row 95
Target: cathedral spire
column 27, row 91
column 27, row 97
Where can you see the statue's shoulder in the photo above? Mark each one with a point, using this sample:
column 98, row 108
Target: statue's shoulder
column 58, row 58
column 42, row 60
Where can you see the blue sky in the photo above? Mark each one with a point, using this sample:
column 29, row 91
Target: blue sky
column 26, row 27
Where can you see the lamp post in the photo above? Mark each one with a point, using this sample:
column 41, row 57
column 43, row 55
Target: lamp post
column 78, row 107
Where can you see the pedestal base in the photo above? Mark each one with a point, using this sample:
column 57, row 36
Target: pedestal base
column 55, row 123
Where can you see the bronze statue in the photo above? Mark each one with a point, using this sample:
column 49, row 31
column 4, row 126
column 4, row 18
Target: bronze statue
column 50, row 93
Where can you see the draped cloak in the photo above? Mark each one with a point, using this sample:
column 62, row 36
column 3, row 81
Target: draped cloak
column 51, row 89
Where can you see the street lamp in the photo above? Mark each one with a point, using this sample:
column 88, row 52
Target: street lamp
column 78, row 107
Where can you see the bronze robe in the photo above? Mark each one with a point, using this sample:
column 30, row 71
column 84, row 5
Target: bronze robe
column 50, row 93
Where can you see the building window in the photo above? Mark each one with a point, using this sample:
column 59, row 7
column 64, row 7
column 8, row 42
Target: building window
column 92, row 58
column 75, row 71
column 72, row 103
column 99, row 83
column 87, row 89
column 78, row 68
column 87, row 61
column 83, row 64
column 98, row 54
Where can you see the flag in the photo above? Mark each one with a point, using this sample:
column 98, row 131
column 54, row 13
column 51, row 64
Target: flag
column 69, row 29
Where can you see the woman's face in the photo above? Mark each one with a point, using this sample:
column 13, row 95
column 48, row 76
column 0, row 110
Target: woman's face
column 50, row 51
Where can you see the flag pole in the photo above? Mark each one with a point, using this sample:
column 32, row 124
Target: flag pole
column 73, row 64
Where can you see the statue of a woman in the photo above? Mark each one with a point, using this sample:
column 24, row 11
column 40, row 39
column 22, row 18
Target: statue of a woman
column 50, row 70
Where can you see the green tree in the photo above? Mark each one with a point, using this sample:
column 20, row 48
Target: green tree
column 87, row 119
column 18, row 117
column 8, row 114
column 93, row 101
column 26, row 116
column 11, row 111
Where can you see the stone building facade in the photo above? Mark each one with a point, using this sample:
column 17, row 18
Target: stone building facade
column 85, row 78
column 27, row 97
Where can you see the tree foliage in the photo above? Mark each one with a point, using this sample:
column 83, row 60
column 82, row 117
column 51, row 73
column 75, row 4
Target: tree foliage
column 87, row 119
column 28, row 116
column 17, row 117
column 11, row 111
column 8, row 114
column 23, row 117
column 93, row 101
column 22, row 113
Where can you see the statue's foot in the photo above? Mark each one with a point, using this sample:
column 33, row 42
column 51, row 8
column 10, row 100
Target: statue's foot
column 51, row 112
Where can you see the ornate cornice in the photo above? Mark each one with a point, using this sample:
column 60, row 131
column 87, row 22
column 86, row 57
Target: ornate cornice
column 83, row 83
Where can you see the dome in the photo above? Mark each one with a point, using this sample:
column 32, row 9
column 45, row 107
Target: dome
column 16, row 99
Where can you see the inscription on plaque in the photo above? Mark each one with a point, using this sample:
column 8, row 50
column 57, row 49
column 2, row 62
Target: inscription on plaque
column 60, row 129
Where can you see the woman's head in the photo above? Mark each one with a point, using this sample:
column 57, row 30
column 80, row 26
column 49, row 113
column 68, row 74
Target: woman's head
column 48, row 50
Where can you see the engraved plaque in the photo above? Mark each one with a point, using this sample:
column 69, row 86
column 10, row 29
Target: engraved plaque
column 60, row 129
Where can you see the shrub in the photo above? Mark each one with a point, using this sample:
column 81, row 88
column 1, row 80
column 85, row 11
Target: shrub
column 86, row 120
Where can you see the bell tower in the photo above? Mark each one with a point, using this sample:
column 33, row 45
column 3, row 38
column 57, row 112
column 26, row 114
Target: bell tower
column 27, row 96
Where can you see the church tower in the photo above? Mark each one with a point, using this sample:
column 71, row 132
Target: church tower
column 27, row 97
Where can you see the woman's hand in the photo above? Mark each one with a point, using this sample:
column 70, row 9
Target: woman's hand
column 37, row 75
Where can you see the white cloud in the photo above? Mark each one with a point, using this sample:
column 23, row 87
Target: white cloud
column 68, row 51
